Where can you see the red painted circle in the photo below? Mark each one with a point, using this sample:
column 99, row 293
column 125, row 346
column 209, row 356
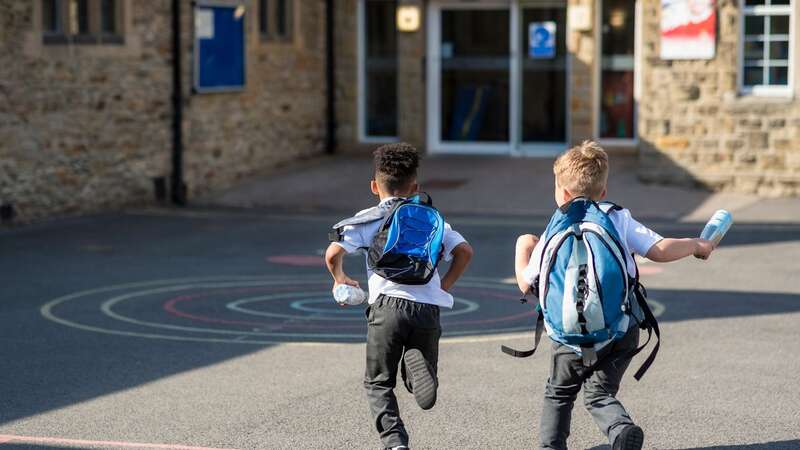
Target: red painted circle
column 170, row 306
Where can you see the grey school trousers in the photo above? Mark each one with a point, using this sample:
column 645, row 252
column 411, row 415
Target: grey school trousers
column 599, row 391
column 396, row 324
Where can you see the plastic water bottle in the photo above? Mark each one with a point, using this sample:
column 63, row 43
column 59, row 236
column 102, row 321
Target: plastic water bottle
column 716, row 228
column 349, row 295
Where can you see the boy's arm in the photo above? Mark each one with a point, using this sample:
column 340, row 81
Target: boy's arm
column 334, row 260
column 668, row 250
column 522, row 257
column 462, row 254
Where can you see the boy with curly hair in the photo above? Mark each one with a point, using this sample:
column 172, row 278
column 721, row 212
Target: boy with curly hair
column 403, row 319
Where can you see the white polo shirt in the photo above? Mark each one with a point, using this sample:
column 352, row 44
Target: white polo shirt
column 357, row 238
column 636, row 238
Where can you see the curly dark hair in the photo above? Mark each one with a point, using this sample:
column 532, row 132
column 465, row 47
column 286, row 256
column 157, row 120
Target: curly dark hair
column 396, row 166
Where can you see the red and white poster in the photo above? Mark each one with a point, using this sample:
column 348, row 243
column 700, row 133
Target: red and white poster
column 688, row 29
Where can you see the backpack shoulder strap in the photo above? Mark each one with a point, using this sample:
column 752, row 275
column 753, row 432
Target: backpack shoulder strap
column 536, row 338
column 607, row 206
column 651, row 325
column 424, row 198
column 373, row 214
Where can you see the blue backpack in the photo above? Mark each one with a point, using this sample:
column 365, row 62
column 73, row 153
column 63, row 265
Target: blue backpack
column 409, row 243
column 586, row 297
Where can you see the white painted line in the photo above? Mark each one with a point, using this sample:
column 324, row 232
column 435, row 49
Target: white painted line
column 10, row 438
column 454, row 338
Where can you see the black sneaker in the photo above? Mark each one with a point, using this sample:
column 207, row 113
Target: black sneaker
column 420, row 379
column 630, row 438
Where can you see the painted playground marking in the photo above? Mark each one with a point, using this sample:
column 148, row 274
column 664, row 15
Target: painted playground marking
column 297, row 260
column 83, row 443
column 295, row 310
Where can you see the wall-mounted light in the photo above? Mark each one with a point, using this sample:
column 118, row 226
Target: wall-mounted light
column 580, row 17
column 408, row 18
column 617, row 18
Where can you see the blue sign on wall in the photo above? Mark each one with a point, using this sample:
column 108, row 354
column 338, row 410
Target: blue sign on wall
column 542, row 40
column 219, row 52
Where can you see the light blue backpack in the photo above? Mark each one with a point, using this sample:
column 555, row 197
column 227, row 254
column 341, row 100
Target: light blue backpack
column 586, row 297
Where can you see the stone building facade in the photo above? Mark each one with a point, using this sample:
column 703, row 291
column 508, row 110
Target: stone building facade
column 88, row 126
column 696, row 127
column 690, row 120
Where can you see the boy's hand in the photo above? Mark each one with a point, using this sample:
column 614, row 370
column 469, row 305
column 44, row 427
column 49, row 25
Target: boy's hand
column 703, row 248
column 344, row 279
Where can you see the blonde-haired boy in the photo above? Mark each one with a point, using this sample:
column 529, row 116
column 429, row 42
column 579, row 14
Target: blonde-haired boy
column 582, row 171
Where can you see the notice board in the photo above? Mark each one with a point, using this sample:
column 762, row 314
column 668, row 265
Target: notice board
column 219, row 52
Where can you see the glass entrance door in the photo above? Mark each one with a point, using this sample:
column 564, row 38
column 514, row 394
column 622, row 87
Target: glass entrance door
column 474, row 54
column 497, row 77
column 544, row 75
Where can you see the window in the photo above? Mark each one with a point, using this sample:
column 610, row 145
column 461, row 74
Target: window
column 108, row 23
column 82, row 21
column 51, row 17
column 617, row 47
column 378, row 70
column 765, row 47
column 275, row 19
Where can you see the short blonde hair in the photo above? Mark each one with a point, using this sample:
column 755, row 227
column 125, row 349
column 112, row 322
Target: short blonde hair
column 583, row 170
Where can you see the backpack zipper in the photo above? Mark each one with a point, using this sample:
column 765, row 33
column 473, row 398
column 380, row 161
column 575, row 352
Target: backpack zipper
column 594, row 267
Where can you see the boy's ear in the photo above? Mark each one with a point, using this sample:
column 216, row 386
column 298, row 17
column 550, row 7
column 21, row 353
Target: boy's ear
column 603, row 194
column 373, row 185
column 415, row 187
column 565, row 195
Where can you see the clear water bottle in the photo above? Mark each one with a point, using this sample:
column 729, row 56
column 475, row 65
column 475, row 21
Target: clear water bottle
column 349, row 295
column 716, row 228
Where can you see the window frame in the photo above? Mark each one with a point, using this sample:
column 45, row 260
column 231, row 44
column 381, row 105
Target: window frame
column 766, row 90
column 58, row 12
column 597, row 87
column 95, row 35
column 361, row 37
column 268, row 18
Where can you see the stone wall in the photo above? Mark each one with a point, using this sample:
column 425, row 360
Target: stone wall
column 346, row 55
column 582, row 47
column 278, row 117
column 82, row 128
column 86, row 128
column 695, row 129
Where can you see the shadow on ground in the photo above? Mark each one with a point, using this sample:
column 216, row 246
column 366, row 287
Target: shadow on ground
column 793, row 444
column 50, row 366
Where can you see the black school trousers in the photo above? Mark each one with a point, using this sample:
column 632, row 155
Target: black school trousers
column 567, row 377
column 395, row 325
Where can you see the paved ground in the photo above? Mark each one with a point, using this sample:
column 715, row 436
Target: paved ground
column 213, row 327
column 488, row 185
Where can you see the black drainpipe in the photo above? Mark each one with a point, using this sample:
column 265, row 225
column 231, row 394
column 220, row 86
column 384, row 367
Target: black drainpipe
column 330, row 79
column 178, row 188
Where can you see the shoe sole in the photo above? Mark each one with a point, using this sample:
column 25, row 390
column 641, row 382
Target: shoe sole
column 421, row 378
column 632, row 438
